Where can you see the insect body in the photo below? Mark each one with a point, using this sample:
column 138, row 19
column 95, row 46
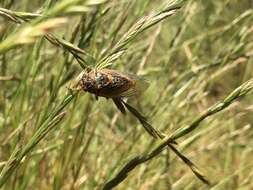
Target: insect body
column 111, row 83
column 116, row 85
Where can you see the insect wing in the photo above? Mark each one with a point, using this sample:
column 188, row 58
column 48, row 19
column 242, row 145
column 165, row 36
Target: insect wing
column 139, row 86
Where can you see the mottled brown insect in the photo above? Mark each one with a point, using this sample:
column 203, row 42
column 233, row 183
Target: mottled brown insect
column 112, row 84
column 116, row 85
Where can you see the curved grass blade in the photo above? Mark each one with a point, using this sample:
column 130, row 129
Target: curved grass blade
column 151, row 130
column 120, row 106
column 190, row 164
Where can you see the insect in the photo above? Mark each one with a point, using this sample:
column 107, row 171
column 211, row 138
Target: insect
column 116, row 85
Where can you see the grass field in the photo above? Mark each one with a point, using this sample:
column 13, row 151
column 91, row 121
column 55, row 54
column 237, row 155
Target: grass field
column 197, row 59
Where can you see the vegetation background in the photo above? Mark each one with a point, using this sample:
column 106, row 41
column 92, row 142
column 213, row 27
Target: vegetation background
column 197, row 57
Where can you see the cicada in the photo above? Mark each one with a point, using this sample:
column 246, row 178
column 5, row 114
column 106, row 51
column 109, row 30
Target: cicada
column 116, row 85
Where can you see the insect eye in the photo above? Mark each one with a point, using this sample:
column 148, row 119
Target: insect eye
column 87, row 85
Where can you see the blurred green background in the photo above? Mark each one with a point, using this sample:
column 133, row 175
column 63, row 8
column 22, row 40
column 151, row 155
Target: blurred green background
column 52, row 139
